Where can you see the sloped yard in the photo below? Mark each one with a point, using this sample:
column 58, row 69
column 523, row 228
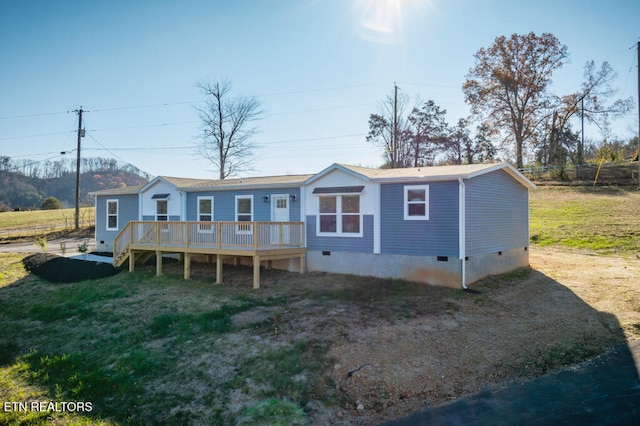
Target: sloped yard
column 315, row 349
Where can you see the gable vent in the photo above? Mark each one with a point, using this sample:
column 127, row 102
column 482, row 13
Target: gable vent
column 339, row 190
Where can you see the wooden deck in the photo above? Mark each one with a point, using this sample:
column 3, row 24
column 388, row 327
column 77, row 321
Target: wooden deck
column 261, row 241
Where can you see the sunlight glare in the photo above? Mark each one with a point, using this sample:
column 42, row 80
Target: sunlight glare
column 382, row 20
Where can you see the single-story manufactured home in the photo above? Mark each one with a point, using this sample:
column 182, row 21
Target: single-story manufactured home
column 445, row 225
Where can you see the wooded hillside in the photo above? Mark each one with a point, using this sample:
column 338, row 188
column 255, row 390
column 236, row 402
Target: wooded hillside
column 24, row 184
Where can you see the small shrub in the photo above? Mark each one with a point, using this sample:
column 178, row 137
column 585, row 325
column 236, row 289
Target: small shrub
column 83, row 247
column 42, row 243
column 50, row 203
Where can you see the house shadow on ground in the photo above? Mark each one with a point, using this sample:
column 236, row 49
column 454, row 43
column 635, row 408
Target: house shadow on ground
column 581, row 384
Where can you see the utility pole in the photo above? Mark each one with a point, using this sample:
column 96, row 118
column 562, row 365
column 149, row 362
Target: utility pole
column 581, row 147
column 80, row 135
column 394, row 143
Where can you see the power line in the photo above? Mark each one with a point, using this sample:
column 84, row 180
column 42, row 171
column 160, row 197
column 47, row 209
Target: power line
column 7, row 117
column 310, row 139
column 35, row 136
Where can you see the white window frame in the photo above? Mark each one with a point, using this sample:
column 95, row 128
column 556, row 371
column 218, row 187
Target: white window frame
column 408, row 202
column 339, row 215
column 201, row 227
column 157, row 209
column 111, row 228
column 244, row 229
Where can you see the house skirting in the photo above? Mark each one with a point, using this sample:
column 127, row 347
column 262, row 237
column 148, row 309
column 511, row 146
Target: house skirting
column 496, row 263
column 436, row 270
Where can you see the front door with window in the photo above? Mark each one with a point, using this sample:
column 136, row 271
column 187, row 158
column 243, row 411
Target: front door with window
column 280, row 213
column 280, row 208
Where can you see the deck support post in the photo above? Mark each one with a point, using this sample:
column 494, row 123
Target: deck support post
column 256, row 271
column 158, row 263
column 302, row 263
column 132, row 260
column 187, row 265
column 218, row 269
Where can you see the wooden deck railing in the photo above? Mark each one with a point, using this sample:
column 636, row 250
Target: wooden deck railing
column 251, row 236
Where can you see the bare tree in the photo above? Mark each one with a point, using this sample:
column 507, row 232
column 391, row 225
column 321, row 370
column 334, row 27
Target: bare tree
column 227, row 127
column 590, row 103
column 508, row 85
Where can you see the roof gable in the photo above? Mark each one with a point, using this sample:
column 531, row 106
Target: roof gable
column 436, row 173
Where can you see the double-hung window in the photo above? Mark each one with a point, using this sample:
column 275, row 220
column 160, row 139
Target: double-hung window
column 339, row 215
column 205, row 213
column 416, row 202
column 112, row 215
column 244, row 212
column 162, row 210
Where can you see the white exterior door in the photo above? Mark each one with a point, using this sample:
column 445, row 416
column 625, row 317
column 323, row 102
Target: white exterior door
column 280, row 213
column 280, row 208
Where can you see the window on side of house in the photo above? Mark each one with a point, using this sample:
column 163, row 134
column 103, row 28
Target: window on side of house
column 244, row 212
column 205, row 213
column 162, row 210
column 339, row 215
column 112, row 215
column 416, row 202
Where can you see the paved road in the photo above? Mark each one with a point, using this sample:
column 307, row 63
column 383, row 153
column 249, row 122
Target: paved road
column 602, row 391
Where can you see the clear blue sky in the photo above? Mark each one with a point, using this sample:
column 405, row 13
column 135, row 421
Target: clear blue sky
column 319, row 67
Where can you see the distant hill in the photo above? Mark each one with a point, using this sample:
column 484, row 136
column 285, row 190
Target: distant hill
column 24, row 184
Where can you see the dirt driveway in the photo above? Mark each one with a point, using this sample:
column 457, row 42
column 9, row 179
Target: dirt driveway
column 570, row 307
column 55, row 246
column 608, row 284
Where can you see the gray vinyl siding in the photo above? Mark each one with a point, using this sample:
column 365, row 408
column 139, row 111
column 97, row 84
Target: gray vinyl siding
column 362, row 244
column 437, row 236
column 127, row 211
column 497, row 214
column 224, row 207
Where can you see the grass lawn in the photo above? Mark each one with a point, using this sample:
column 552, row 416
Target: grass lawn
column 601, row 220
column 135, row 346
column 38, row 222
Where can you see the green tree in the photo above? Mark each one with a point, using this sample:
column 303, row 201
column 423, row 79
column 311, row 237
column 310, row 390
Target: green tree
column 50, row 203
column 381, row 130
column 483, row 148
column 508, row 86
column 429, row 134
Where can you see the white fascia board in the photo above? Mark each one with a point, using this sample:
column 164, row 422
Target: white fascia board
column 241, row 187
column 331, row 168
column 507, row 168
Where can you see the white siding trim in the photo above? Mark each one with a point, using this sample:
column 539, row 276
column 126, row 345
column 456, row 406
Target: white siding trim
column 377, row 225
column 462, row 230
column 117, row 201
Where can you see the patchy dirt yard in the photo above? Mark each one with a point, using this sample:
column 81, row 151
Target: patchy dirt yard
column 359, row 350
column 569, row 307
column 398, row 347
